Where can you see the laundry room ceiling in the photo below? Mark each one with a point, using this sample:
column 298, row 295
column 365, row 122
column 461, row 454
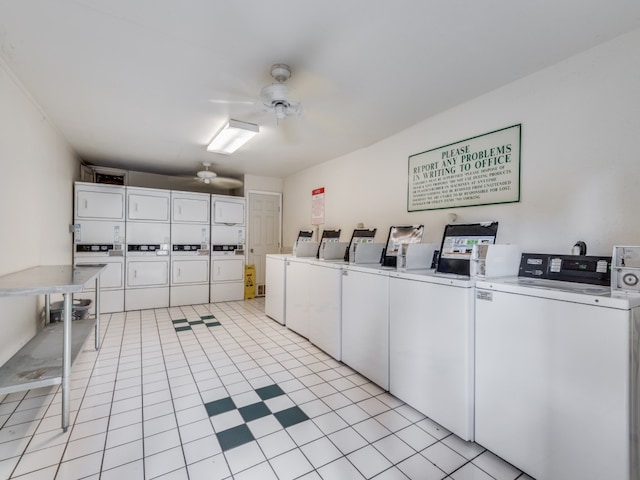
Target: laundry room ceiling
column 144, row 84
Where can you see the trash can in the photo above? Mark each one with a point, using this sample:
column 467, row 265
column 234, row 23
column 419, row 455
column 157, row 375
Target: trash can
column 79, row 310
column 249, row 281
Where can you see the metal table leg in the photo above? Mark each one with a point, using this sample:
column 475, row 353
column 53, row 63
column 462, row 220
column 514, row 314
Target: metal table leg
column 97, row 334
column 47, row 309
column 66, row 360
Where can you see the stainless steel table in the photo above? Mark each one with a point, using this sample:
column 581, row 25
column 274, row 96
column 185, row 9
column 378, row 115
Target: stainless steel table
column 38, row 363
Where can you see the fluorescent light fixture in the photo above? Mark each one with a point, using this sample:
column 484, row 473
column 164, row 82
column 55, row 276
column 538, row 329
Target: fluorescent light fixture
column 232, row 136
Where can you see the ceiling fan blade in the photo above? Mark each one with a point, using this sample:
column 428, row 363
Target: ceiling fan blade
column 227, row 182
column 222, row 101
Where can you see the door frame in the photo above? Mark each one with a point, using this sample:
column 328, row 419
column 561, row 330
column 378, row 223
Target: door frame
column 248, row 223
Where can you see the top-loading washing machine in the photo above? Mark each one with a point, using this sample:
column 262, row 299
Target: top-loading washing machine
column 275, row 277
column 365, row 321
column 557, row 370
column 431, row 346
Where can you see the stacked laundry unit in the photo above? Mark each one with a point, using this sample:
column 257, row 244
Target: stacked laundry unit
column 227, row 248
column 190, row 230
column 99, row 235
column 147, row 258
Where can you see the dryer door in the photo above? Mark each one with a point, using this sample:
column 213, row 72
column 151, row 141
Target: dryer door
column 190, row 270
column 228, row 213
column 227, row 270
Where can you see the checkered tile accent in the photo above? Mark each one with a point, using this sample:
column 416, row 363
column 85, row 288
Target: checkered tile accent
column 182, row 324
column 224, row 413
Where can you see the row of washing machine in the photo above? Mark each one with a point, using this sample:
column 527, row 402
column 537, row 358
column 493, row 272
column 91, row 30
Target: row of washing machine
column 163, row 248
column 544, row 372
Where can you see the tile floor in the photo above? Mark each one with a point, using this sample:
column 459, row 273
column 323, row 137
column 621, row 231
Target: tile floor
column 221, row 391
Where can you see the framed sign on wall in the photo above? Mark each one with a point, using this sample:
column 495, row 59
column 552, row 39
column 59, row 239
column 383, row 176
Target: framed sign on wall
column 317, row 206
column 481, row 170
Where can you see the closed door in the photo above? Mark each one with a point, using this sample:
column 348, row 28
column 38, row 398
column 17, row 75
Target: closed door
column 227, row 212
column 148, row 273
column 190, row 209
column 189, row 270
column 112, row 277
column 227, row 270
column 263, row 231
column 148, row 205
column 99, row 202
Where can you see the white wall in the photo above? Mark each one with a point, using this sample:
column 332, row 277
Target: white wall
column 262, row 184
column 36, row 196
column 580, row 170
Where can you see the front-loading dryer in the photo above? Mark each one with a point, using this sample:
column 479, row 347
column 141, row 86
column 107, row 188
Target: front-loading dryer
column 111, row 279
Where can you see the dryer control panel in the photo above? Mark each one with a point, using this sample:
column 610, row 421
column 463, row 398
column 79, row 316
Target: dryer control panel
column 589, row 269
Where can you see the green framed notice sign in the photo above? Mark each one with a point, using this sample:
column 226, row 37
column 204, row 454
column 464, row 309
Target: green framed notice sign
column 481, row 170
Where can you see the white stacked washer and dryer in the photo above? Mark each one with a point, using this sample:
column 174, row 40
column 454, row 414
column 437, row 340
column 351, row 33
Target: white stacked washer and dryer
column 227, row 248
column 148, row 238
column 99, row 235
column 190, row 231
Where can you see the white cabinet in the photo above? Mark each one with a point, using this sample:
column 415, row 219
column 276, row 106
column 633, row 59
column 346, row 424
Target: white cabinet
column 190, row 207
column 227, row 278
column 274, row 301
column 325, row 313
column 431, row 347
column 297, row 295
column 99, row 202
column 227, row 210
column 148, row 205
column 365, row 322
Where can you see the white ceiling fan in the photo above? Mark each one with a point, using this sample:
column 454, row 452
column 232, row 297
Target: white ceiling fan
column 276, row 97
column 208, row 177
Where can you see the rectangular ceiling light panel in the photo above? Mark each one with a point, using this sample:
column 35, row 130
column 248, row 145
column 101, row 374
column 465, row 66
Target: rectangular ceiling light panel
column 233, row 136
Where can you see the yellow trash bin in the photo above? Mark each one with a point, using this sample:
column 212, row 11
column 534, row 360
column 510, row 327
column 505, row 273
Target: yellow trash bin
column 249, row 281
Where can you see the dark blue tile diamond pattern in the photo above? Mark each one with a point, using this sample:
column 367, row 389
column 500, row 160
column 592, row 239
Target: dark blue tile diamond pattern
column 269, row 391
column 290, row 416
column 254, row 411
column 234, row 437
column 239, row 435
column 220, row 406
